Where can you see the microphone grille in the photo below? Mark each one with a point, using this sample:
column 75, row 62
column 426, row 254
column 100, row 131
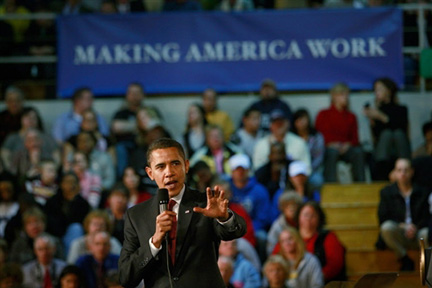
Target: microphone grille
column 163, row 196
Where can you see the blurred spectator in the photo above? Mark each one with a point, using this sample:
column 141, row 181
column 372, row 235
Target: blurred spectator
column 10, row 118
column 303, row 128
column 68, row 123
column 90, row 183
column 295, row 147
column 216, row 116
column 425, row 149
column 248, row 135
column 9, row 205
column 96, row 221
column 74, row 7
column 11, row 276
column 274, row 174
column 34, row 223
column 194, row 135
column 289, row 202
column 26, row 160
column 45, row 270
column 299, row 181
column 305, row 267
column 236, row 5
column 132, row 182
column 129, row 6
column 108, row 7
column 100, row 262
column 19, row 26
column 216, row 152
column 66, row 210
column 181, row 5
column 289, row 4
column 226, row 268
column 116, row 209
column 30, row 119
column 324, row 244
column 339, row 127
column 276, row 271
column 403, row 213
column 71, row 277
column 200, row 176
column 45, row 185
column 389, row 125
column 100, row 163
column 270, row 101
column 245, row 274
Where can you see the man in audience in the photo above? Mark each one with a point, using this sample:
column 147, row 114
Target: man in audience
column 403, row 213
column 10, row 118
column 295, row 147
column 340, row 130
column 68, row 123
column 269, row 102
column 45, row 270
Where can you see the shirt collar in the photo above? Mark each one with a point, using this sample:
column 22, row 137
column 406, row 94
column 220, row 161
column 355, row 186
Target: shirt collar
column 179, row 196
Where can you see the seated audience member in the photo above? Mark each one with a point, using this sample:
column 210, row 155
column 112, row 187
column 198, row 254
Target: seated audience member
column 200, row 176
column 73, row 7
column 216, row 116
column 88, row 124
column 226, row 268
column 69, row 123
column 10, row 118
column 289, row 202
column 299, row 180
column 66, row 210
column 403, row 213
column 245, row 274
column 389, row 126
column 339, row 127
column 100, row 262
column 425, row 149
column 71, row 276
column 132, row 182
column 276, row 271
column 45, row 270
column 315, row 141
column 305, row 267
column 324, row 244
column 274, row 175
column 99, row 162
column 248, row 135
column 194, row 135
column 89, row 182
column 117, row 205
column 129, row 6
column 45, row 185
column 181, row 5
column 30, row 119
column 95, row 221
column 26, row 160
column 236, row 5
column 295, row 147
column 34, row 223
column 11, row 275
column 216, row 152
column 9, row 205
column 269, row 102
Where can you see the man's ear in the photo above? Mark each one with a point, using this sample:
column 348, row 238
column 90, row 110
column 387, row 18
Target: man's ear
column 149, row 172
column 187, row 166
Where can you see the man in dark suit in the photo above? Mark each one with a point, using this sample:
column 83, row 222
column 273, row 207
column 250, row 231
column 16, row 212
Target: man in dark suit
column 203, row 220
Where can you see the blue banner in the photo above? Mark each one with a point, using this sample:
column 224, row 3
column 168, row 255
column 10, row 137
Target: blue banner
column 230, row 52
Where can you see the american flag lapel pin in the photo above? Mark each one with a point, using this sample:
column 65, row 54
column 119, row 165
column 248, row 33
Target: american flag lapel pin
column 187, row 211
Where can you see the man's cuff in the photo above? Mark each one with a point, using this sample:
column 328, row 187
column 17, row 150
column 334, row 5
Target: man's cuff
column 230, row 219
column 154, row 251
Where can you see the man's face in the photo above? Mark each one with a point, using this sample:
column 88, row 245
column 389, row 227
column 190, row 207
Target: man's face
column 215, row 139
column 279, row 127
column 240, row 174
column 34, row 227
column 85, row 102
column 100, row 246
column 168, row 169
column 267, row 92
column 253, row 121
column 134, row 95
column 228, row 248
column 44, row 251
column 209, row 100
column 403, row 171
column 14, row 103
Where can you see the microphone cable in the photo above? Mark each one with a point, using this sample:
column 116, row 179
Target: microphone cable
column 168, row 261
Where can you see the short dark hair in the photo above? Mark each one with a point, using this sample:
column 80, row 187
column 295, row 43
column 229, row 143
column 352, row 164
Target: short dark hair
column 78, row 93
column 316, row 206
column 164, row 143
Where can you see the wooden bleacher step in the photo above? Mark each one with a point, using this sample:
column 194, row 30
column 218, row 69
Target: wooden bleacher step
column 351, row 193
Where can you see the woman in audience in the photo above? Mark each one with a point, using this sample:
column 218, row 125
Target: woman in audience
column 389, row 125
column 132, row 181
column 322, row 243
column 276, row 271
column 90, row 183
column 305, row 267
column 302, row 126
column 194, row 136
column 95, row 221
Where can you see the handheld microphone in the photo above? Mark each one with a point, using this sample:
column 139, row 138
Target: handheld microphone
column 163, row 199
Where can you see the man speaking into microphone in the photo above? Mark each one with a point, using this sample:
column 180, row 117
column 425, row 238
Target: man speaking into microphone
column 176, row 247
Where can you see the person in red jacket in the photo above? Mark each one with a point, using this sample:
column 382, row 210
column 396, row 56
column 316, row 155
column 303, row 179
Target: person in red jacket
column 339, row 127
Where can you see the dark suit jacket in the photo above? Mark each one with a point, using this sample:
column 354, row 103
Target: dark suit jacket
column 198, row 239
column 392, row 205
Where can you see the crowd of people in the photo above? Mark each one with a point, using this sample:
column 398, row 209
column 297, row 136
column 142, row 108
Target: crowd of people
column 64, row 193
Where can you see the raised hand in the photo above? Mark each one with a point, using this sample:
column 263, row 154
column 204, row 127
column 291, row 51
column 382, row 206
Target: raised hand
column 217, row 205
